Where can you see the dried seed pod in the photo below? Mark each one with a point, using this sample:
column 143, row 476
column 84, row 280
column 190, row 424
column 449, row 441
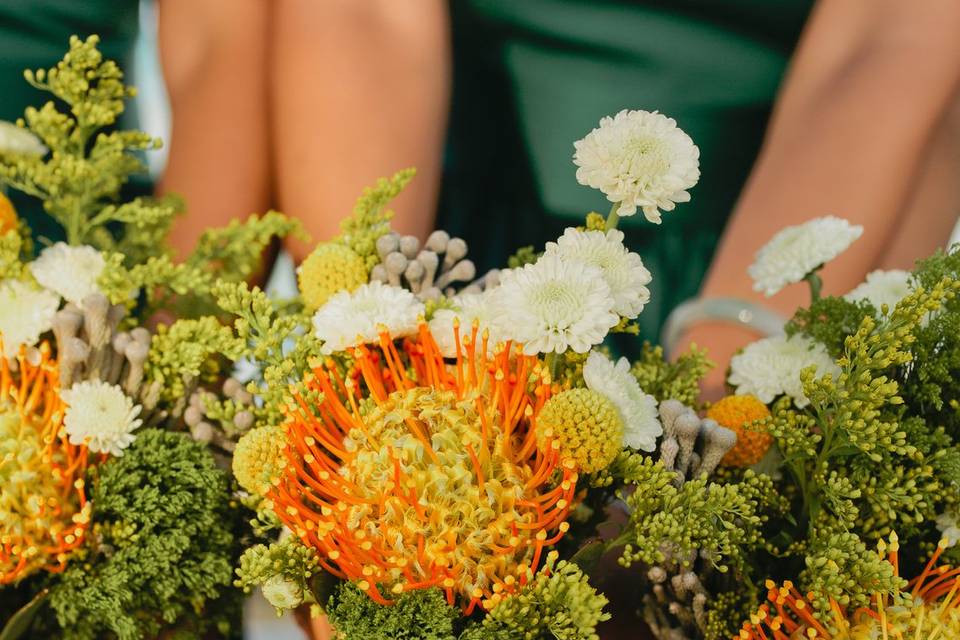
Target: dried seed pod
column 456, row 251
column 387, row 244
column 409, row 246
column 396, row 264
column 462, row 271
column 437, row 242
column 378, row 274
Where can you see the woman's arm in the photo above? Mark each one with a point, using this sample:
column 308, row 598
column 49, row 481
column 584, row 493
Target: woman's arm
column 359, row 90
column 214, row 56
column 867, row 90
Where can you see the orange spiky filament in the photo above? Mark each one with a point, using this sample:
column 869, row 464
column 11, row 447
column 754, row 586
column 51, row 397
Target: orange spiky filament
column 438, row 482
column 930, row 610
column 44, row 512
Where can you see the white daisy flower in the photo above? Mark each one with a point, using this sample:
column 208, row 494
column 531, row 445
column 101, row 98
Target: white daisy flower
column 355, row 317
column 70, row 271
column 100, row 415
column 949, row 526
column 26, row 312
column 639, row 159
column 771, row 367
column 623, row 270
column 882, row 288
column 17, row 140
column 796, row 251
column 553, row 305
column 641, row 422
column 471, row 307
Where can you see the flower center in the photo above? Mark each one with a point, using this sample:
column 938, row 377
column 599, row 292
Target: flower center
column 555, row 299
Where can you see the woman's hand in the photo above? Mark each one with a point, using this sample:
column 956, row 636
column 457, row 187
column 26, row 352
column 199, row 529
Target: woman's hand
column 868, row 93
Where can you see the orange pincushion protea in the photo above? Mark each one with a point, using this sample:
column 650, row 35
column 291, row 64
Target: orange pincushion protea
column 738, row 413
column 8, row 215
column 43, row 509
column 418, row 475
column 929, row 611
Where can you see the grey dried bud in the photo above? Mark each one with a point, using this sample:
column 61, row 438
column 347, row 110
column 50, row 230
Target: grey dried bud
column 461, row 272
column 456, row 251
column 378, row 273
column 243, row 420
column 202, row 431
column 193, row 416
column 437, row 242
column 409, row 246
column 231, row 386
column 387, row 244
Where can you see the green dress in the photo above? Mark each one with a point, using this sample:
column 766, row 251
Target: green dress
column 532, row 76
column 35, row 34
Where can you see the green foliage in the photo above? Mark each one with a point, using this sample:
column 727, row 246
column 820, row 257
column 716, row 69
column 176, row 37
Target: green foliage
column 558, row 603
column 161, row 550
column 11, row 255
column 287, row 560
column 931, row 390
column 422, row 614
column 89, row 161
column 184, row 352
column 157, row 277
column 829, row 321
column 840, row 567
column 523, row 256
column 370, row 218
column 849, row 452
column 721, row 520
column 262, row 327
column 234, row 253
column 677, row 380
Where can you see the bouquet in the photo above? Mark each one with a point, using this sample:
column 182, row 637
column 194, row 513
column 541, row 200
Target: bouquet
column 118, row 514
column 423, row 451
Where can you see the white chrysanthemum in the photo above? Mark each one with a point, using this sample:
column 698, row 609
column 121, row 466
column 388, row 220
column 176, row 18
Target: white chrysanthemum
column 639, row 159
column 14, row 139
column 623, row 270
column 771, row 367
column 882, row 288
column 796, row 251
column 25, row 313
column 70, row 271
column 471, row 307
column 355, row 317
column 101, row 415
column 641, row 423
column 553, row 305
column 949, row 526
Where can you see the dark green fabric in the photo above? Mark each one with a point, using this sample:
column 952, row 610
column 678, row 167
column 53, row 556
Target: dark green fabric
column 532, row 76
column 35, row 34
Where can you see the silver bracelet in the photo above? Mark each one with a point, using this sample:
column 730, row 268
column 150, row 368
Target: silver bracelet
column 733, row 310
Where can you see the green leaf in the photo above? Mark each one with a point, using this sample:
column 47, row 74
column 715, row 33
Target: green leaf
column 20, row 622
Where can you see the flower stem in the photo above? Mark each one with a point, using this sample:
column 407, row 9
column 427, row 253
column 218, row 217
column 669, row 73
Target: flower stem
column 613, row 218
column 552, row 362
column 816, row 284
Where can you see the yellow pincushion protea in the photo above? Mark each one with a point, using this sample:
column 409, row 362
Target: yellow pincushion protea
column 44, row 513
column 439, row 483
column 739, row 413
column 930, row 610
column 586, row 426
column 259, row 459
column 330, row 268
